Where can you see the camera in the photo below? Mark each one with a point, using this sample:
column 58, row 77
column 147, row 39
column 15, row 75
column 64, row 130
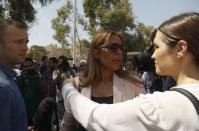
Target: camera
column 64, row 65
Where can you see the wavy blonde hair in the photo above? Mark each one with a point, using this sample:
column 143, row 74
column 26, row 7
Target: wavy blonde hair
column 92, row 71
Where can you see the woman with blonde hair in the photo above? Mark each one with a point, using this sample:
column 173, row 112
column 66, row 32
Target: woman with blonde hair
column 105, row 80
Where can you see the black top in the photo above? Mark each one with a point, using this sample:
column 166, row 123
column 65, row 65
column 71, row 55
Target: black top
column 105, row 100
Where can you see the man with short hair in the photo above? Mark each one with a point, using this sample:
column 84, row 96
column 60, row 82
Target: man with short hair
column 44, row 65
column 13, row 47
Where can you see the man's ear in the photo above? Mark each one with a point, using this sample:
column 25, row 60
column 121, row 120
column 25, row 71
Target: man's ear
column 96, row 54
column 181, row 48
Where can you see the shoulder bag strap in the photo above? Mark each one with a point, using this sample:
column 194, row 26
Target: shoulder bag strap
column 190, row 96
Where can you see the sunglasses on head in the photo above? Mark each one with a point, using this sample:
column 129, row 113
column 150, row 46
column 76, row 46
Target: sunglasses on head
column 114, row 47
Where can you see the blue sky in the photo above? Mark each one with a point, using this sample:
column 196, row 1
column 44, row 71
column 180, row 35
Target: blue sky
column 154, row 12
column 149, row 12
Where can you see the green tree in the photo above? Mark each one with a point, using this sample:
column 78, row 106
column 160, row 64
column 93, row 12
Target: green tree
column 113, row 15
column 100, row 15
column 20, row 10
column 143, row 36
column 61, row 24
column 116, row 15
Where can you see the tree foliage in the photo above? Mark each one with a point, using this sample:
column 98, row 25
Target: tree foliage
column 100, row 15
column 20, row 10
column 113, row 15
column 117, row 15
column 61, row 24
column 143, row 33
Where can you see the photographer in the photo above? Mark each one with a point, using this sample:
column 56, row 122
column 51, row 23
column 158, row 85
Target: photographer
column 63, row 72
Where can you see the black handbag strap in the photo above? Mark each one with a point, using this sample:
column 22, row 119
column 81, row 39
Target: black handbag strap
column 190, row 96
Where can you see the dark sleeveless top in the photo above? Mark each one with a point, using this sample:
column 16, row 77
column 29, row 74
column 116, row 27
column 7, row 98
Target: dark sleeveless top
column 105, row 100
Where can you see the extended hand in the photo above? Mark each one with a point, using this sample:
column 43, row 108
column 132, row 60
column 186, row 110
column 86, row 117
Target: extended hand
column 67, row 91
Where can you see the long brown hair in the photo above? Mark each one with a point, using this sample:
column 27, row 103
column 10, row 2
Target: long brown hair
column 93, row 69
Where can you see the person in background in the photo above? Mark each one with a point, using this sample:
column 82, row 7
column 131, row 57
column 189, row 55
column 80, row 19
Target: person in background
column 17, row 69
column 13, row 47
column 104, row 79
column 75, row 69
column 44, row 65
column 176, row 54
column 82, row 66
column 131, row 67
column 48, row 76
column 63, row 71
column 32, row 88
column 168, row 82
column 152, row 81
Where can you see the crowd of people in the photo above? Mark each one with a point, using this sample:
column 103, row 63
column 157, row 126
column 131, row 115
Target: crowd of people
column 39, row 82
column 109, row 90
